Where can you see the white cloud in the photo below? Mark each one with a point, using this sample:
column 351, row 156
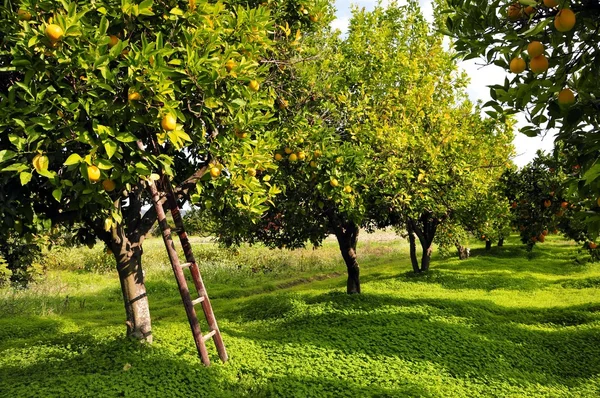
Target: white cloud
column 526, row 147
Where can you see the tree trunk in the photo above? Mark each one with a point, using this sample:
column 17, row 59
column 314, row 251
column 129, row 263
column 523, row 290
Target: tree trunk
column 426, row 257
column 424, row 227
column 488, row 245
column 500, row 242
column 463, row 252
column 347, row 236
column 413, row 250
column 131, row 275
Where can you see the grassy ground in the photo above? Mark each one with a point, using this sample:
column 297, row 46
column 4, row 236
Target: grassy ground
column 499, row 325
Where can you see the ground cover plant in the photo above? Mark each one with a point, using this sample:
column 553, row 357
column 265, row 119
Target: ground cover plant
column 501, row 323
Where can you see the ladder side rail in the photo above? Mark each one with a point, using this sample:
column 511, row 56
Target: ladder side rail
column 194, row 269
column 179, row 276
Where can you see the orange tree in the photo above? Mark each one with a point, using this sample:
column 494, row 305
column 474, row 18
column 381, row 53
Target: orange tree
column 550, row 48
column 96, row 99
column 542, row 203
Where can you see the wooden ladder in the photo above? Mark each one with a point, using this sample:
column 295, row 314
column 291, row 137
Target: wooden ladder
column 188, row 302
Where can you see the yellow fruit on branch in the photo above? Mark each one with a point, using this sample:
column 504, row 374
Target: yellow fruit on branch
column 288, row 150
column 253, row 85
column 24, row 15
column 169, row 122
column 113, row 41
column 348, row 189
column 334, row 182
column 251, row 172
column 134, row 96
column 93, row 173
column 215, row 172
column 535, row 48
column 517, row 65
column 566, row 97
column 550, row 3
column 278, row 156
column 229, row 65
column 54, row 32
column 539, row 64
column 241, row 135
column 293, row 157
column 317, row 153
column 301, row 155
column 564, row 20
column 109, row 185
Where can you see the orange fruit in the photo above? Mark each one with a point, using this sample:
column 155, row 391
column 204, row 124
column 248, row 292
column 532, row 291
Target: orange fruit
column 566, row 97
column 288, row 150
column 109, row 185
column 215, row 172
column 134, row 96
column 530, row 10
column 54, row 32
column 241, row 135
column 229, row 65
column 314, row 18
column 314, row 164
column 547, row 203
column 534, row 239
column 514, row 205
column 539, row 64
column 545, row 232
column 535, row 48
column 514, row 11
column 564, row 20
column 301, row 155
column 169, row 122
column 348, row 189
column 317, row 153
column 283, row 103
column 517, row 65
column 598, row 201
column 253, row 85
column 113, row 41
column 550, row 3
column 93, row 173
column 333, row 182
column 293, row 157
column 24, row 15
column 564, row 205
column 541, row 238
column 593, row 245
column 278, row 156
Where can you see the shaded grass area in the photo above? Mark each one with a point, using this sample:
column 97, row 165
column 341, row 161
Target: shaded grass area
column 500, row 324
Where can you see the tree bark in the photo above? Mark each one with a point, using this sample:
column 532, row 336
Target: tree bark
column 500, row 242
column 413, row 250
column 463, row 252
column 347, row 236
column 425, row 227
column 135, row 298
column 488, row 245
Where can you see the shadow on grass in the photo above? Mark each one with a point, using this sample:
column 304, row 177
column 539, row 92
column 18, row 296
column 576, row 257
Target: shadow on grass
column 468, row 338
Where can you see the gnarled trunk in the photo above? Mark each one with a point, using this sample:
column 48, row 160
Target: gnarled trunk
column 347, row 236
column 463, row 252
column 488, row 245
column 131, row 275
column 413, row 249
column 424, row 227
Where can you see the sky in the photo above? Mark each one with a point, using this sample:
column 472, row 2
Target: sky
column 481, row 77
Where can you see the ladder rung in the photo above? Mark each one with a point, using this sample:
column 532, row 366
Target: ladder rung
column 198, row 300
column 209, row 335
column 185, row 265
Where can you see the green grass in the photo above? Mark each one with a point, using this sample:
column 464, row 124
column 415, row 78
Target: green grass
column 501, row 324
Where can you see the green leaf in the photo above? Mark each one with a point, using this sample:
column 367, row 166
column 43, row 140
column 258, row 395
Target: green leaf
column 110, row 147
column 126, row 137
column 104, row 164
column 25, row 177
column 73, row 159
column 6, row 155
column 57, row 194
